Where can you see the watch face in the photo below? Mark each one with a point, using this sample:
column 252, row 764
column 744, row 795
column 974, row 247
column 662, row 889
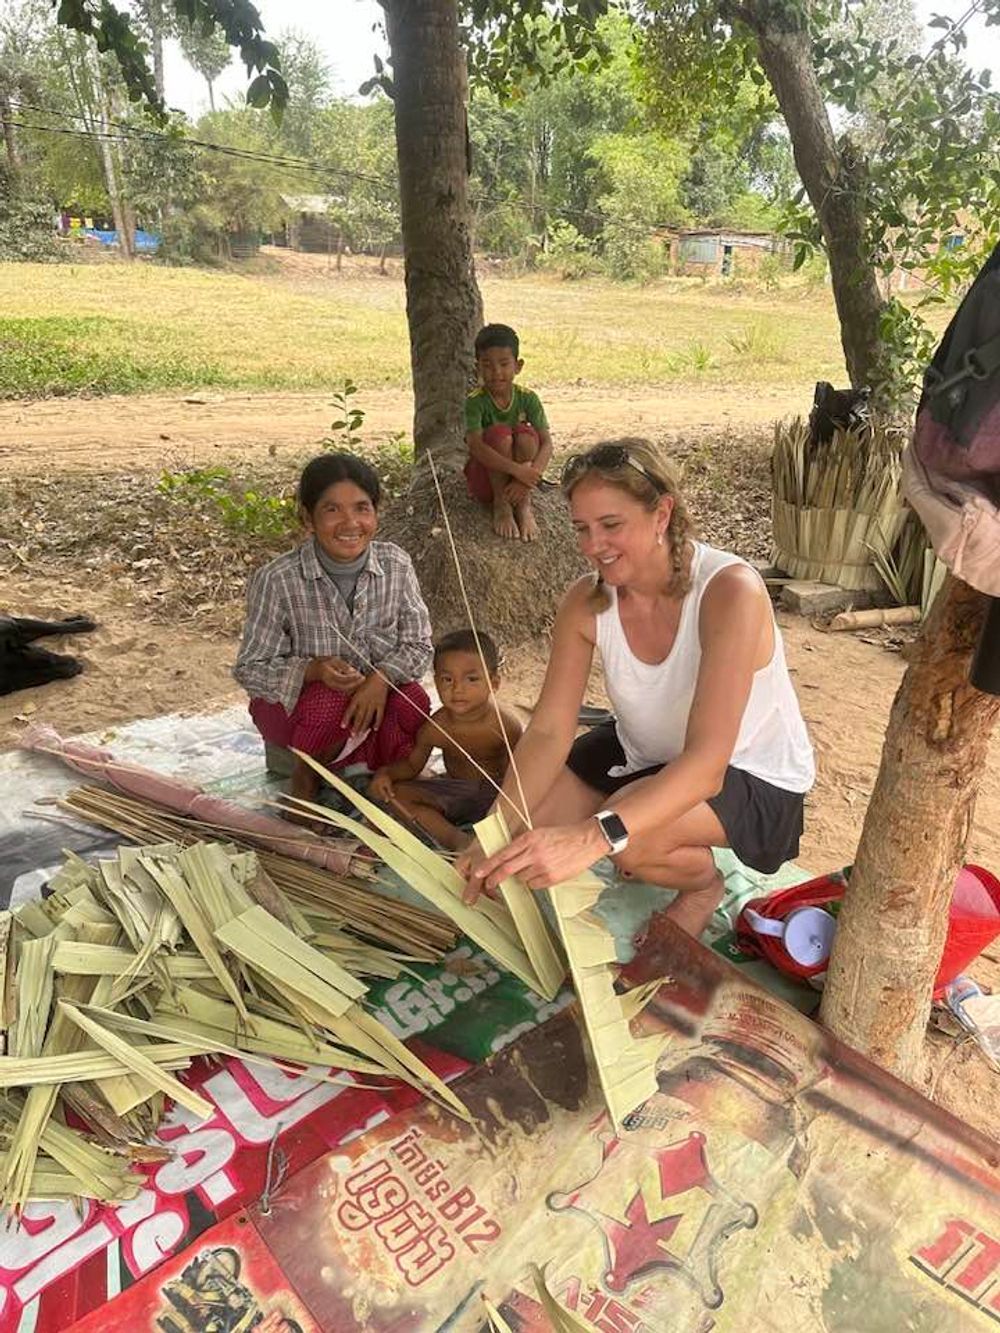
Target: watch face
column 613, row 826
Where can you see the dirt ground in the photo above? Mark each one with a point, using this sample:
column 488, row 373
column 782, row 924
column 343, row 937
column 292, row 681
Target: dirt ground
column 137, row 666
column 178, row 430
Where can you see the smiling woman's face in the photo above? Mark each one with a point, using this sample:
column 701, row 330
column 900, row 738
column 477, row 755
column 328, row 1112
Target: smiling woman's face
column 343, row 521
column 615, row 531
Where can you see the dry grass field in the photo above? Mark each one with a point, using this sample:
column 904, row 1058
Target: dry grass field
column 291, row 322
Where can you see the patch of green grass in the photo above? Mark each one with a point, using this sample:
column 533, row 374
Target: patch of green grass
column 119, row 328
column 93, row 355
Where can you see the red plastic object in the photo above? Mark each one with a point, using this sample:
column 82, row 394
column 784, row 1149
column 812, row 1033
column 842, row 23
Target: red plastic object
column 973, row 922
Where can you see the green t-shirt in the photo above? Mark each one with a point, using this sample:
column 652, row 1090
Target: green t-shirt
column 525, row 405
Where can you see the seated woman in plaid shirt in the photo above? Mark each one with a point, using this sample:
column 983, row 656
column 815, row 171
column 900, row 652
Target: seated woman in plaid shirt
column 337, row 634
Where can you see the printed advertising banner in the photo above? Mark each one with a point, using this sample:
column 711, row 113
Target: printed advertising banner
column 774, row 1181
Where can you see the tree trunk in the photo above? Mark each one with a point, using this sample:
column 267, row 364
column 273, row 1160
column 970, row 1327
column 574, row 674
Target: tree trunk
column 443, row 305
column 893, row 923
column 834, row 181
column 121, row 206
column 211, row 95
column 9, row 136
column 112, row 185
column 156, row 41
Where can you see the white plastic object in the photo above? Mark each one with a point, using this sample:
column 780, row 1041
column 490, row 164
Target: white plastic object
column 807, row 933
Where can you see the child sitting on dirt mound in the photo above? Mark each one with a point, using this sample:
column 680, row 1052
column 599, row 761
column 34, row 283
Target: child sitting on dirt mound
column 507, row 434
column 465, row 728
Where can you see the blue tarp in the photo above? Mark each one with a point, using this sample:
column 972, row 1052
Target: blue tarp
column 147, row 241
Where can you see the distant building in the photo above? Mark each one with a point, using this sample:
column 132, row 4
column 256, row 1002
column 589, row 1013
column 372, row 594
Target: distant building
column 715, row 252
column 309, row 224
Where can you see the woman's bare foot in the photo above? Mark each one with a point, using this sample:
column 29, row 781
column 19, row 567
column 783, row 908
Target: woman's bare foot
column 524, row 516
column 304, row 784
column 692, row 910
column 503, row 520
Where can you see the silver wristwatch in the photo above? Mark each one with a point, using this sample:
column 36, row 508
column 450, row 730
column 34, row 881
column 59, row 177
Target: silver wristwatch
column 613, row 828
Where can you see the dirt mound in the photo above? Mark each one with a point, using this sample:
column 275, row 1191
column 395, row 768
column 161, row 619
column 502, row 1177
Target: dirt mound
column 514, row 588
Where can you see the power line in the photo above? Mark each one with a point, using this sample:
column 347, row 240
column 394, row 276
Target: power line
column 126, row 133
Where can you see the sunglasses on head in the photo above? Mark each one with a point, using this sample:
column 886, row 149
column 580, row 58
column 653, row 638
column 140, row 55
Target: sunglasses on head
column 605, row 456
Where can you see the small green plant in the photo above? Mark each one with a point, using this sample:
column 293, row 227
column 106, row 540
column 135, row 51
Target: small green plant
column 757, row 342
column 258, row 515
column 202, row 483
column 248, row 512
column 345, row 432
column 392, row 459
column 698, row 357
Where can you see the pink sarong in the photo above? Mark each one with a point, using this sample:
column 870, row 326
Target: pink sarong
column 315, row 725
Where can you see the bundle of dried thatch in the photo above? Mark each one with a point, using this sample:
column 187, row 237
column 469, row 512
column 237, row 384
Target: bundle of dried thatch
column 836, row 507
column 139, row 963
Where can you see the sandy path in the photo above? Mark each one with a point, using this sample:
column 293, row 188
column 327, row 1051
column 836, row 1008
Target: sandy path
column 105, row 434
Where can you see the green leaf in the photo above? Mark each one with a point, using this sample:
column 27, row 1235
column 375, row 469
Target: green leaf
column 259, row 92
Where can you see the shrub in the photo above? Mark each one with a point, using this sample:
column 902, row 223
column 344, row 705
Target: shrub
column 26, row 230
column 569, row 253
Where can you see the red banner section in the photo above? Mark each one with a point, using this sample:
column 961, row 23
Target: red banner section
column 776, row 1180
column 60, row 1262
column 227, row 1282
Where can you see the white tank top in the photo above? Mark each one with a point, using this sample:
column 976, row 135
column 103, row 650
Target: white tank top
column 652, row 702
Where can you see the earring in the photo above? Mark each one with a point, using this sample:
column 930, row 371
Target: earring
column 659, row 539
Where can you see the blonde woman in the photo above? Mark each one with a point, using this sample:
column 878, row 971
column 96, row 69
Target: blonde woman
column 708, row 747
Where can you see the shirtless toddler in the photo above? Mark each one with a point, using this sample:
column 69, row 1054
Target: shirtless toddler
column 466, row 721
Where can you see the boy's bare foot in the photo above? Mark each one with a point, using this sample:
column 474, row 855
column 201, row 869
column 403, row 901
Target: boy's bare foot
column 524, row 515
column 504, row 524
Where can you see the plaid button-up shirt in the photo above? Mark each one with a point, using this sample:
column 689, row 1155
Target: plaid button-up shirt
column 296, row 613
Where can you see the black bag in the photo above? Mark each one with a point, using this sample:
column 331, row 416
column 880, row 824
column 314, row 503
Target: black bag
column 958, row 419
column 957, row 434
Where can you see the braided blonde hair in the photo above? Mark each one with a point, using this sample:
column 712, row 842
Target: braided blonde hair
column 646, row 477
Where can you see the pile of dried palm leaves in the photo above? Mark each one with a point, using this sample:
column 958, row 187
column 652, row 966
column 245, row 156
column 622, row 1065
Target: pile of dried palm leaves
column 136, row 965
column 837, row 508
column 345, row 902
column 179, row 947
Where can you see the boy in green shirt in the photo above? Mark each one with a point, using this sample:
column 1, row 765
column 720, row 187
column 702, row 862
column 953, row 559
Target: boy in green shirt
column 507, row 434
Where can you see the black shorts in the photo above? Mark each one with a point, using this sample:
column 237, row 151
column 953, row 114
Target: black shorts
column 762, row 823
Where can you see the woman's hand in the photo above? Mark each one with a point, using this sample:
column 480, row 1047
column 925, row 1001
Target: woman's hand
column 541, row 858
column 367, row 706
column 335, row 674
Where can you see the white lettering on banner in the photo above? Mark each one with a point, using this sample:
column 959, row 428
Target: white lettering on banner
column 200, row 1157
column 153, row 1239
column 152, row 1234
column 43, row 1227
column 53, row 1238
column 281, row 1085
column 408, row 1008
column 63, row 1260
column 248, row 1122
column 29, row 1318
column 543, row 1009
